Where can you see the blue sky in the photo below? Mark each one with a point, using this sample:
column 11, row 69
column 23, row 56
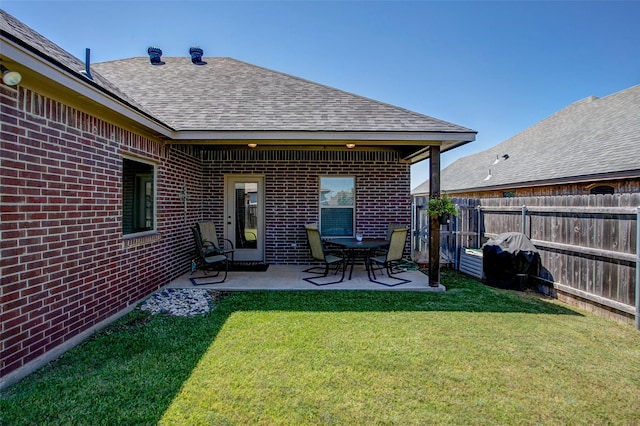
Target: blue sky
column 495, row 67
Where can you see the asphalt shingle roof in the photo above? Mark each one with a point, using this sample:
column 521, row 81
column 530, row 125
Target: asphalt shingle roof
column 227, row 94
column 44, row 47
column 589, row 137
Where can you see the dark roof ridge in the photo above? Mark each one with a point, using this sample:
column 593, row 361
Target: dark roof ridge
column 587, row 101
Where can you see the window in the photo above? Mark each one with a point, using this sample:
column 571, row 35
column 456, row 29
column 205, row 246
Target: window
column 138, row 197
column 337, row 206
column 602, row 189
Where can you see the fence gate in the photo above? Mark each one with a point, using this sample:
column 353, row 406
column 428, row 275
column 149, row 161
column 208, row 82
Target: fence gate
column 461, row 231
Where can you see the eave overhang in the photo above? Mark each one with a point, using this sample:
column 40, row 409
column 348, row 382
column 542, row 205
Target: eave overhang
column 53, row 78
column 413, row 146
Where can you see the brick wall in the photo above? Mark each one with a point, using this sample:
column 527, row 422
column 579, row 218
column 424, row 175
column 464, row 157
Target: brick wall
column 292, row 192
column 65, row 266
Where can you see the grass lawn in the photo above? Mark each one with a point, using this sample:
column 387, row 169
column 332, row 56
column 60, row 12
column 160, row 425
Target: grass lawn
column 472, row 355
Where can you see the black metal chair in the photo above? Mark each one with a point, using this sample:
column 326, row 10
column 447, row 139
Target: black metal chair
column 211, row 243
column 329, row 258
column 208, row 261
column 390, row 260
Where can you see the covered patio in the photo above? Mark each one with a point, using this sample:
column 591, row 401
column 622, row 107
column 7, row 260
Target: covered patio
column 108, row 165
column 290, row 277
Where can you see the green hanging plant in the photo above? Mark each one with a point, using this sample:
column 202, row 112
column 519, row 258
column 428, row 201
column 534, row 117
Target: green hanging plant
column 441, row 206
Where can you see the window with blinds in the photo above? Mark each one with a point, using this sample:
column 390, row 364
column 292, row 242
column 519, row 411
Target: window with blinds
column 337, row 206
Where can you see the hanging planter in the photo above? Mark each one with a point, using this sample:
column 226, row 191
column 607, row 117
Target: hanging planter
column 442, row 207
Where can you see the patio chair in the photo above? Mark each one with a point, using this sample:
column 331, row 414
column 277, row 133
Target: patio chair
column 208, row 261
column 393, row 226
column 211, row 242
column 329, row 258
column 389, row 260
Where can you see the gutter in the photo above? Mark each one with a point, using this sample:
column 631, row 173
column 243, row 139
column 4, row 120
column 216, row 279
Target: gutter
column 29, row 57
column 407, row 138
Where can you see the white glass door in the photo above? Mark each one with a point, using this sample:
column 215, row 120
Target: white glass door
column 244, row 216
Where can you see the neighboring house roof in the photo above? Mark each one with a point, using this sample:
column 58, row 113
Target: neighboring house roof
column 229, row 101
column 592, row 139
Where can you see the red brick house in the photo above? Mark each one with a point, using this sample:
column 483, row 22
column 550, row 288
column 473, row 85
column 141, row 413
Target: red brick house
column 105, row 167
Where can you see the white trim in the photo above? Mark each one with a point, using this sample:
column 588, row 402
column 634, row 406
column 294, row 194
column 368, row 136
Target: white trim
column 154, row 229
column 417, row 137
column 78, row 86
column 353, row 207
column 83, row 87
column 229, row 224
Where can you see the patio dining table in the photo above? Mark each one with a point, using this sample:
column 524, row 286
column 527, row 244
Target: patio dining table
column 355, row 248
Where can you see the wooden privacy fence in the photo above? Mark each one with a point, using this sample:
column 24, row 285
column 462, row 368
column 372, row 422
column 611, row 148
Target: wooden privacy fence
column 588, row 244
column 462, row 231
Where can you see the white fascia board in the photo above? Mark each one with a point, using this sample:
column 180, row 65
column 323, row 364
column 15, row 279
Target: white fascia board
column 323, row 136
column 83, row 88
column 52, row 72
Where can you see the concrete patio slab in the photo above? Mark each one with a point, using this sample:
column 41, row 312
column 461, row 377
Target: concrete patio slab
column 290, row 277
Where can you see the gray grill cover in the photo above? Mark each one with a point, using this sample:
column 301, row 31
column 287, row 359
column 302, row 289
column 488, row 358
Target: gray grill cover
column 507, row 256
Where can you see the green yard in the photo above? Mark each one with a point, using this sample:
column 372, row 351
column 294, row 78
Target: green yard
column 472, row 355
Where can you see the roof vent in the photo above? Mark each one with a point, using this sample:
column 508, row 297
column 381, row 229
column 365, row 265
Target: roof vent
column 155, row 54
column 87, row 64
column 196, row 56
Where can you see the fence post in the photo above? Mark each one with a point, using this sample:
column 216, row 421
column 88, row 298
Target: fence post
column 478, row 207
column 456, row 233
column 416, row 211
column 524, row 220
column 638, row 269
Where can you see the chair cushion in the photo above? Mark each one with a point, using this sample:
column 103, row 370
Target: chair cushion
column 215, row 258
column 332, row 259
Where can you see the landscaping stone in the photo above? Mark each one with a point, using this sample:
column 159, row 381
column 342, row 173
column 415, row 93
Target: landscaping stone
column 182, row 302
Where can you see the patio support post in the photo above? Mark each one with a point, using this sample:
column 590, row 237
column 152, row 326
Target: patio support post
column 434, row 223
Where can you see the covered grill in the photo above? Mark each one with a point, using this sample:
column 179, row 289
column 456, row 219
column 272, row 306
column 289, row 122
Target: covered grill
column 508, row 260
